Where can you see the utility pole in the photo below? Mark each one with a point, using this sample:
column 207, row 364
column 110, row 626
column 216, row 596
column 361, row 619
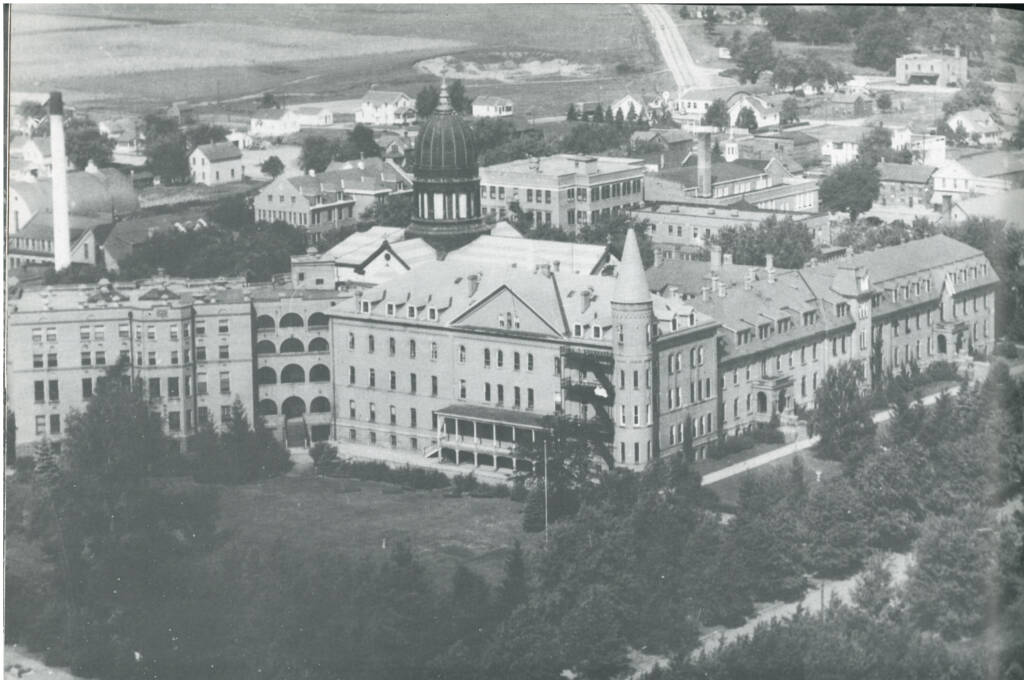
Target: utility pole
column 545, row 494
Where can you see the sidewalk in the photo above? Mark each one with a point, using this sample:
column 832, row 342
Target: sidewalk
column 800, row 445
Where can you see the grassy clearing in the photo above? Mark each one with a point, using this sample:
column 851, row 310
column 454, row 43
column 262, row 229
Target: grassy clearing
column 728, row 490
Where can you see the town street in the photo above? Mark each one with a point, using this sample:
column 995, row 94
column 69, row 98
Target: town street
column 673, row 49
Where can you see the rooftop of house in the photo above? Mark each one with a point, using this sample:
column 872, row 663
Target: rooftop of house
column 1007, row 206
column 796, row 136
column 902, row 172
column 383, row 97
column 979, row 120
column 96, row 191
column 159, row 291
column 564, row 164
column 993, row 163
column 131, row 231
column 847, row 134
column 669, row 135
column 687, row 175
column 309, row 110
column 269, row 114
column 490, row 100
column 219, row 152
column 492, row 250
column 560, row 299
column 40, row 228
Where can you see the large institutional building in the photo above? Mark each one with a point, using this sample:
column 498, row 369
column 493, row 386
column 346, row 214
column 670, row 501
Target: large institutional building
column 454, row 339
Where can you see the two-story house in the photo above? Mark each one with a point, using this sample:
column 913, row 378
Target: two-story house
column 380, row 107
column 213, row 164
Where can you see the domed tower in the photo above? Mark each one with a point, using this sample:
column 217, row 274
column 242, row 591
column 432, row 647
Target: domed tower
column 446, row 188
column 636, row 409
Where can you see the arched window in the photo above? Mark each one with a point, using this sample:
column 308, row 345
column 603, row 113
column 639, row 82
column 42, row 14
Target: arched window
column 293, row 373
column 265, row 323
column 266, row 376
column 319, row 373
column 462, row 354
column 291, row 345
column 265, row 347
column 487, row 358
column 320, row 405
column 266, row 407
column 317, row 345
column 318, row 320
column 291, row 320
column 293, row 407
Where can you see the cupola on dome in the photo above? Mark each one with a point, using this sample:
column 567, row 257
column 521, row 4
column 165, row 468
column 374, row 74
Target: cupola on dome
column 444, row 146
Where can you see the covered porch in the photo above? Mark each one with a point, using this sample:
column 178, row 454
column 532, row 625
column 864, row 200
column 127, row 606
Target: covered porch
column 486, row 437
column 771, row 395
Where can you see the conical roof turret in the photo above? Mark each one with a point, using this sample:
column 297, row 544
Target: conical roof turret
column 631, row 284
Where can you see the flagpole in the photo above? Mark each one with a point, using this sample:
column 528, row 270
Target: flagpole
column 545, row 494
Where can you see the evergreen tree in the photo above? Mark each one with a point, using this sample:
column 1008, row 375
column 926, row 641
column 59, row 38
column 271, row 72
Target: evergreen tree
column 842, row 417
column 598, row 114
column 514, row 590
column 572, row 115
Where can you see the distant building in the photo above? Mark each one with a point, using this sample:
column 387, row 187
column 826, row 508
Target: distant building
column 312, row 116
column 379, row 107
column 792, row 144
column 848, row 105
column 765, row 114
column 661, row 148
column 34, row 153
column 96, row 192
column 927, row 148
column 273, row 123
column 904, row 185
column 1007, row 206
column 695, row 102
column 213, row 164
column 979, row 174
column 133, row 231
column 128, row 140
column 979, row 126
column 685, row 231
column 563, row 191
column 931, row 69
column 624, row 105
column 486, row 106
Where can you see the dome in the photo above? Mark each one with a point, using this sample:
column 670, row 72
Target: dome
column 444, row 146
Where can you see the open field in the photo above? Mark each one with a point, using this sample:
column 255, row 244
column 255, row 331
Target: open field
column 143, row 55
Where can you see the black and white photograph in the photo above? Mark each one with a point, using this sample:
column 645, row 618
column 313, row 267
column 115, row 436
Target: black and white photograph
column 484, row 341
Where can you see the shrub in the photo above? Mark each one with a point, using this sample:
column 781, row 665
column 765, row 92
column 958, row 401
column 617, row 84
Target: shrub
column 938, row 371
column 766, row 434
column 730, row 446
column 1006, row 349
column 376, row 471
column 1006, row 74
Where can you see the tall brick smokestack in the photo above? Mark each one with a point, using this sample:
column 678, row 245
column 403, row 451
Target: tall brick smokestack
column 704, row 165
column 58, row 156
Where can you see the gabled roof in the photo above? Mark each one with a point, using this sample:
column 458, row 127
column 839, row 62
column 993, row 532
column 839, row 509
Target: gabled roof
column 358, row 247
column 132, row 231
column 382, row 97
column 670, row 135
column 911, row 257
column 219, row 152
column 902, row 172
column 849, row 134
column 976, row 120
column 89, row 192
column 270, row 114
column 310, row 110
column 720, row 172
column 497, row 251
column 491, row 100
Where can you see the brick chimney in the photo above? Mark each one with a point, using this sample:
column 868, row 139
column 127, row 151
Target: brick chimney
column 704, row 165
column 59, row 178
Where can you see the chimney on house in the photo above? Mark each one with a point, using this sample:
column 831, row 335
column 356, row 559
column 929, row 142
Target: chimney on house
column 585, row 297
column 556, row 265
column 716, row 258
column 474, row 283
column 727, row 258
column 704, row 165
column 704, row 293
column 59, row 178
column 721, row 288
column 748, row 281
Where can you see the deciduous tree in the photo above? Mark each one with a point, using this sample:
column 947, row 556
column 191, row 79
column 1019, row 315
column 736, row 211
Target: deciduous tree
column 273, row 166
column 841, row 417
column 850, row 188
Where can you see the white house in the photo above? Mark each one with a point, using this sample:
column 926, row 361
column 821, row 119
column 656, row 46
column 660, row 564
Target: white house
column 213, row 164
column 765, row 114
column 380, row 107
column 312, row 116
column 35, row 153
column 928, row 149
column 624, row 105
column 978, row 125
column 486, row 106
column 273, row 123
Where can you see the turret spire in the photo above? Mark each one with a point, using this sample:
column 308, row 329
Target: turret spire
column 631, row 284
column 444, row 104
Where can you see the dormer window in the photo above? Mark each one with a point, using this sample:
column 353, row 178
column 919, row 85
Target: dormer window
column 411, row 312
column 810, row 318
column 577, row 330
column 365, row 307
column 391, row 309
column 917, row 288
column 597, row 332
column 432, row 313
column 501, row 320
column 675, row 323
column 843, row 309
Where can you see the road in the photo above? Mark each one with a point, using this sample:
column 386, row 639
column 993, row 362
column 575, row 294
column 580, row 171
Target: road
column 677, row 56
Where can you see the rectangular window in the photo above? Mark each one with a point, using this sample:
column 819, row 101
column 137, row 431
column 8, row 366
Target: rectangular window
column 222, row 326
column 154, row 388
column 151, row 333
column 51, row 360
column 373, row 377
column 351, row 375
column 37, row 361
column 200, row 328
column 412, row 383
column 174, row 357
column 172, row 388
column 83, row 333
column 373, row 412
column 225, row 414
column 222, row 352
column 412, row 417
column 152, row 358
column 101, row 358
column 40, row 425
column 86, row 388
column 393, row 380
column 433, row 385
column 225, row 383
column 54, row 390
column 174, row 333
column 87, row 358
column 516, row 400
column 200, row 352
column 55, row 424
column 529, row 398
column 174, row 421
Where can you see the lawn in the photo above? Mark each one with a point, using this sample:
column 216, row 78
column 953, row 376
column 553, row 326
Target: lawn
column 728, row 490
column 312, row 514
